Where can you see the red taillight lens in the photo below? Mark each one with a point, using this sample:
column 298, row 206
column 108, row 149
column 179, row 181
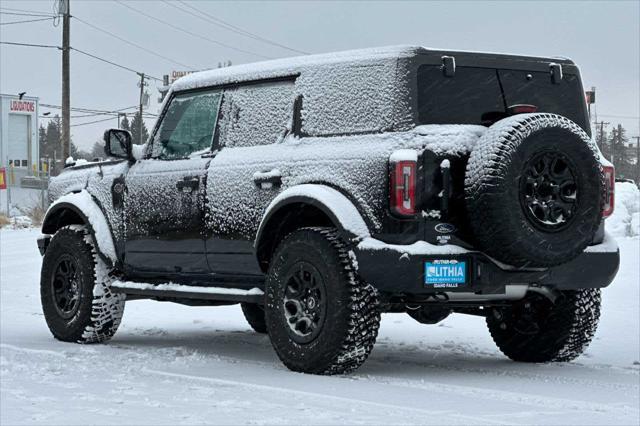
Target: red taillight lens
column 610, row 190
column 403, row 188
column 522, row 109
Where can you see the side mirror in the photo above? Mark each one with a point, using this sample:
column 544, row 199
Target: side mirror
column 117, row 143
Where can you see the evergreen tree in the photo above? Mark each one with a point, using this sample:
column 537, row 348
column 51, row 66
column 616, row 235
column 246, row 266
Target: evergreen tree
column 136, row 138
column 97, row 151
column 42, row 141
column 54, row 129
column 124, row 123
column 619, row 152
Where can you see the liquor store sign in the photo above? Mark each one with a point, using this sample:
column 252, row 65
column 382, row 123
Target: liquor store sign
column 16, row 105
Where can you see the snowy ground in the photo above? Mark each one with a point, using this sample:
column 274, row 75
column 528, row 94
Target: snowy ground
column 170, row 364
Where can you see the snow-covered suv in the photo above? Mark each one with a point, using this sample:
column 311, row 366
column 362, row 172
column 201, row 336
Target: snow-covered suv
column 321, row 191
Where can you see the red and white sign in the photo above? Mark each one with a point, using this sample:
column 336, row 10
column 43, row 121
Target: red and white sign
column 22, row 106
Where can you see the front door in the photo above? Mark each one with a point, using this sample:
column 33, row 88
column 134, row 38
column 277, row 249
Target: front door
column 164, row 202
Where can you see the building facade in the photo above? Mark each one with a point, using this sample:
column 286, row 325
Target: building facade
column 19, row 145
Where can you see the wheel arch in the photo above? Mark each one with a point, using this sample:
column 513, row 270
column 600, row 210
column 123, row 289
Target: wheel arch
column 307, row 205
column 79, row 208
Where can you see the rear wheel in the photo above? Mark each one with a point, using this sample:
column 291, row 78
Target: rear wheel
column 536, row 329
column 321, row 317
column 76, row 298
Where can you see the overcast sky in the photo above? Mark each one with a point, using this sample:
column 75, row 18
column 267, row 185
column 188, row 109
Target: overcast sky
column 601, row 36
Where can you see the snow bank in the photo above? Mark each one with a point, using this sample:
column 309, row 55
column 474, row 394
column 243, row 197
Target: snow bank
column 625, row 221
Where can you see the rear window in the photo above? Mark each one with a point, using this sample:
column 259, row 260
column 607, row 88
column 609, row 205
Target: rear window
column 536, row 88
column 466, row 98
column 474, row 95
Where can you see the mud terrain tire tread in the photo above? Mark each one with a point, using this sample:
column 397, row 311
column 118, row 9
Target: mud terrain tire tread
column 254, row 314
column 347, row 343
column 497, row 219
column 564, row 336
column 100, row 311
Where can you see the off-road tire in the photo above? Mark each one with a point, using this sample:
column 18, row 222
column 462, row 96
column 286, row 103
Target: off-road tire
column 350, row 326
column 561, row 335
column 254, row 314
column 501, row 224
column 99, row 310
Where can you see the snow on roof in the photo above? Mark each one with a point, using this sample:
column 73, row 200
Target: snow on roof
column 289, row 66
column 293, row 65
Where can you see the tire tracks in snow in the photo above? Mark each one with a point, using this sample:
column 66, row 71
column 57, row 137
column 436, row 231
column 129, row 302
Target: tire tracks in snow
column 260, row 387
column 534, row 400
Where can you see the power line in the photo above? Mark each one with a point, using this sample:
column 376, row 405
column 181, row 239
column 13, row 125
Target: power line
column 81, row 52
column 124, row 40
column 189, row 32
column 30, row 45
column 92, row 122
column 25, row 10
column 221, row 23
column 111, row 63
column 26, row 14
column 26, row 22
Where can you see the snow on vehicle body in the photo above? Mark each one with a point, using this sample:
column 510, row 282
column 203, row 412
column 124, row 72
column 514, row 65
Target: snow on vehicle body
column 373, row 162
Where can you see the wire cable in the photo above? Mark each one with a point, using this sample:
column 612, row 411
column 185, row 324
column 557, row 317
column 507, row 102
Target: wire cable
column 26, row 14
column 124, row 40
column 200, row 14
column 91, row 122
column 12, row 43
column 27, row 21
column 228, row 46
column 11, row 9
column 114, row 64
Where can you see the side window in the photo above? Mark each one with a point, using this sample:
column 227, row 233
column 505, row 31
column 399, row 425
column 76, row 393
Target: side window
column 188, row 126
column 256, row 114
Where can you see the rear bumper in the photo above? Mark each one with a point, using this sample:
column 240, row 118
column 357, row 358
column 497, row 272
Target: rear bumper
column 400, row 269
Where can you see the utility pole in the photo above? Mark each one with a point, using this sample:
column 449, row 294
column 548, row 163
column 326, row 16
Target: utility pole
column 141, row 102
column 66, row 99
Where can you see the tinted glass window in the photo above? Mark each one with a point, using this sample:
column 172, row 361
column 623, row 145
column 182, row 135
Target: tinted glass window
column 471, row 96
column 188, row 126
column 536, row 88
column 257, row 114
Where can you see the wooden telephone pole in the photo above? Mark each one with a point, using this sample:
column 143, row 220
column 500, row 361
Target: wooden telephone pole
column 66, row 98
column 140, row 141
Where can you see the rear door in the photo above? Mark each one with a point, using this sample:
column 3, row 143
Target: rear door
column 564, row 97
column 164, row 203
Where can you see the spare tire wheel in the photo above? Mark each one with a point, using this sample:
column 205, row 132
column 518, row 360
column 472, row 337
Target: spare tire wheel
column 534, row 190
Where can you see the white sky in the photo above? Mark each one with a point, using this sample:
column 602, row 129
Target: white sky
column 601, row 36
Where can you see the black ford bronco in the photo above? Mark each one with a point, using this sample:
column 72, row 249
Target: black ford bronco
column 321, row 191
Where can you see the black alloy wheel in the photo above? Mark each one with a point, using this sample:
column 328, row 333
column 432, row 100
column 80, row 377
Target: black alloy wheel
column 549, row 191
column 304, row 302
column 66, row 287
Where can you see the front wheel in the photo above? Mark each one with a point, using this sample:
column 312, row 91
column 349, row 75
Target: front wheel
column 321, row 318
column 76, row 298
column 537, row 329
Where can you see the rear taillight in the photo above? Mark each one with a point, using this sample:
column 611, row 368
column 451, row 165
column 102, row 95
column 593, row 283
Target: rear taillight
column 610, row 190
column 403, row 168
column 521, row 109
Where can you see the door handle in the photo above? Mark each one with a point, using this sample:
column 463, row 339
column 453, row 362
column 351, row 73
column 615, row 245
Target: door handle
column 188, row 184
column 268, row 179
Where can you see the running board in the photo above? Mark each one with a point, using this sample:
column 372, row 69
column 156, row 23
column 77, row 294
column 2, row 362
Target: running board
column 179, row 291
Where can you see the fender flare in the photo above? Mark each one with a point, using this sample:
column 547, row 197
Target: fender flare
column 83, row 204
column 342, row 212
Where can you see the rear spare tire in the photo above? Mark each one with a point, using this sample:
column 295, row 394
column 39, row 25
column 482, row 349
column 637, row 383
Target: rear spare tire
column 534, row 190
